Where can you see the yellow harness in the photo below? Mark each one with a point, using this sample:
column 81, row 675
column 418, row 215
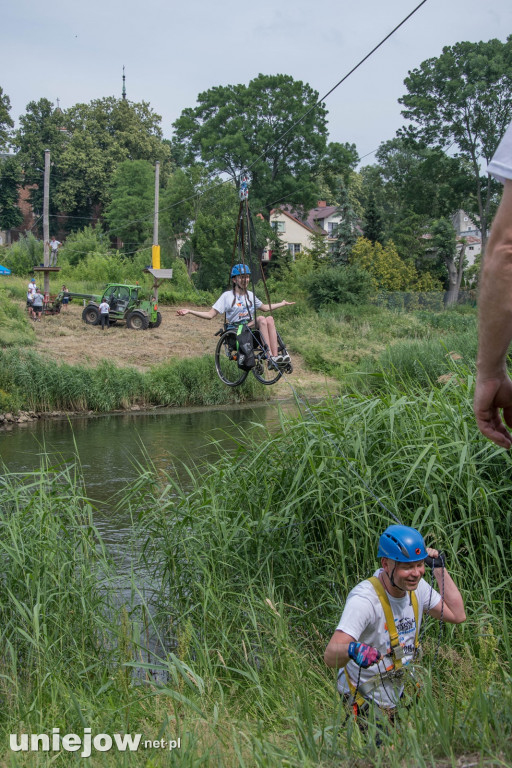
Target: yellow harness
column 397, row 652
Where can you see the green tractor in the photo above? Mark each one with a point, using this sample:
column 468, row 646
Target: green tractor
column 125, row 307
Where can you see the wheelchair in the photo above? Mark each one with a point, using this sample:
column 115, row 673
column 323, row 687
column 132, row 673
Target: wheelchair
column 226, row 358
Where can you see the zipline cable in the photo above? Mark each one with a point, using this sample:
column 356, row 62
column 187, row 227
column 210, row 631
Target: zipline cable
column 294, row 125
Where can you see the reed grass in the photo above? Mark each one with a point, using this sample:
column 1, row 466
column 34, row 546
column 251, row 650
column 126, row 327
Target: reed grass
column 255, row 561
column 39, row 384
column 251, row 561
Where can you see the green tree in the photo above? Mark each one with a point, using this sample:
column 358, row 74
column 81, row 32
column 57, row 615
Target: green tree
column 337, row 165
column 387, row 270
column 130, row 211
column 40, row 129
column 10, row 182
column 252, row 127
column 88, row 241
column 282, row 260
column 318, row 250
column 6, row 122
column 87, row 143
column 444, row 244
column 346, row 231
column 373, row 227
column 422, row 179
column 463, row 98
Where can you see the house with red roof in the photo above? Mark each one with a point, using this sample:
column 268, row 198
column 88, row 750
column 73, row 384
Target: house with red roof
column 297, row 231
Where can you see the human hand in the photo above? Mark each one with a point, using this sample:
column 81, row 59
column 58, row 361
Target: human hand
column 491, row 395
column 288, row 303
column 363, row 655
column 182, row 312
column 435, row 559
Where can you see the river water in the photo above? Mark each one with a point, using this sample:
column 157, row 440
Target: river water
column 110, row 447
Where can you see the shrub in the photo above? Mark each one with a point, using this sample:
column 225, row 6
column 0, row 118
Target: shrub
column 341, row 285
column 22, row 256
column 79, row 245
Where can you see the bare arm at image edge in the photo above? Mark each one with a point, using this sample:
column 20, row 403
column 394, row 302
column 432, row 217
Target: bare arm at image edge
column 493, row 390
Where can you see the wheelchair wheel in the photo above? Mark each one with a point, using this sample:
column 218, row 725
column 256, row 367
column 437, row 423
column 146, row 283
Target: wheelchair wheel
column 264, row 370
column 226, row 361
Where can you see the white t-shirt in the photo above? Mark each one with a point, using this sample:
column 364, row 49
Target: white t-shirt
column 54, row 244
column 31, row 288
column 363, row 619
column 242, row 311
column 501, row 165
column 104, row 308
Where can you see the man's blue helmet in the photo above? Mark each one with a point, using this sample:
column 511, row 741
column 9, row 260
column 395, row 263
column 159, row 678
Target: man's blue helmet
column 403, row 544
column 240, row 269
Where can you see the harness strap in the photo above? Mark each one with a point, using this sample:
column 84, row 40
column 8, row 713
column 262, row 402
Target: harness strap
column 397, row 651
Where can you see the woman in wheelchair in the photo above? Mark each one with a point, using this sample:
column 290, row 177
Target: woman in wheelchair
column 237, row 305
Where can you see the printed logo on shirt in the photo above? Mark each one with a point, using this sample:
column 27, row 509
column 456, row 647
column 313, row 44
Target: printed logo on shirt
column 405, row 625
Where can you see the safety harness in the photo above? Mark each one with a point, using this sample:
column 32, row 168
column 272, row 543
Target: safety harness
column 360, row 693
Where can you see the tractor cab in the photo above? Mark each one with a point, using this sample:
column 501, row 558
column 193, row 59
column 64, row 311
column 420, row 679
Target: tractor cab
column 119, row 297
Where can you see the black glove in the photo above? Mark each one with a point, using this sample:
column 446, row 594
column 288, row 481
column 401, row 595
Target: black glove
column 436, row 562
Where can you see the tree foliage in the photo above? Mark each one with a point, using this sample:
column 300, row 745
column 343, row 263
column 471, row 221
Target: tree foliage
column 130, row 211
column 346, row 231
column 336, row 167
column 252, row 127
column 6, row 122
column 373, row 223
column 444, row 244
column 84, row 242
column 338, row 285
column 87, row 143
column 463, row 98
column 388, row 272
column 10, row 182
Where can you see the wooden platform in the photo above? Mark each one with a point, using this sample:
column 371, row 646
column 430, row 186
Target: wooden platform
column 46, row 269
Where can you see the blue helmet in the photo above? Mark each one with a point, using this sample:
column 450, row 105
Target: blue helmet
column 402, row 544
column 240, row 269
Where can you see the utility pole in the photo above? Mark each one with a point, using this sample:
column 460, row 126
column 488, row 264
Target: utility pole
column 155, row 251
column 46, row 224
column 154, row 269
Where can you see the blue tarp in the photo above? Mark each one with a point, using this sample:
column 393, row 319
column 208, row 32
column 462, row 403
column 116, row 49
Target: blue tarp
column 4, row 270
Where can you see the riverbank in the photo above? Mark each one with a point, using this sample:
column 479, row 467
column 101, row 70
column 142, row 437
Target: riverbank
column 67, row 339
column 69, row 366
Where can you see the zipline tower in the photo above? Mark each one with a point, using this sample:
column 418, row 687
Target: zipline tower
column 46, row 269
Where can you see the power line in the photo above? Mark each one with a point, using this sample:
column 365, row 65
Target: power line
column 345, row 77
column 282, row 136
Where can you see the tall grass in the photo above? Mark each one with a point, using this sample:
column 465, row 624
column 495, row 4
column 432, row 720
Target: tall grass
column 255, row 561
column 35, row 383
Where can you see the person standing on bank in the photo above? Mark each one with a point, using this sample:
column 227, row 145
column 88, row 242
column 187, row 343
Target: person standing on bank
column 31, row 292
column 104, row 314
column 493, row 388
column 37, row 305
column 54, row 248
column 238, row 307
column 378, row 632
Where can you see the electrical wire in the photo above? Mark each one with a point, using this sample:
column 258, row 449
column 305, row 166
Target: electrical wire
column 292, row 127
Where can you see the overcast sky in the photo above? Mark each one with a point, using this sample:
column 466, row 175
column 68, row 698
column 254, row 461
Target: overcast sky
column 174, row 50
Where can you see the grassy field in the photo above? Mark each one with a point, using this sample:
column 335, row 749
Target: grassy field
column 62, row 364
column 250, row 569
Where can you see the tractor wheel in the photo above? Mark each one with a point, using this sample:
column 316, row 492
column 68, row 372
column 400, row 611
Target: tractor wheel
column 137, row 321
column 91, row 315
column 157, row 322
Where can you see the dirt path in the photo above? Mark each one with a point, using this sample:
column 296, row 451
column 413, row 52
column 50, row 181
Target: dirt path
column 67, row 339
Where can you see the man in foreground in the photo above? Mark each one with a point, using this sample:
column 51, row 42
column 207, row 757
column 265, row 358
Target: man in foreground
column 378, row 633
column 493, row 389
